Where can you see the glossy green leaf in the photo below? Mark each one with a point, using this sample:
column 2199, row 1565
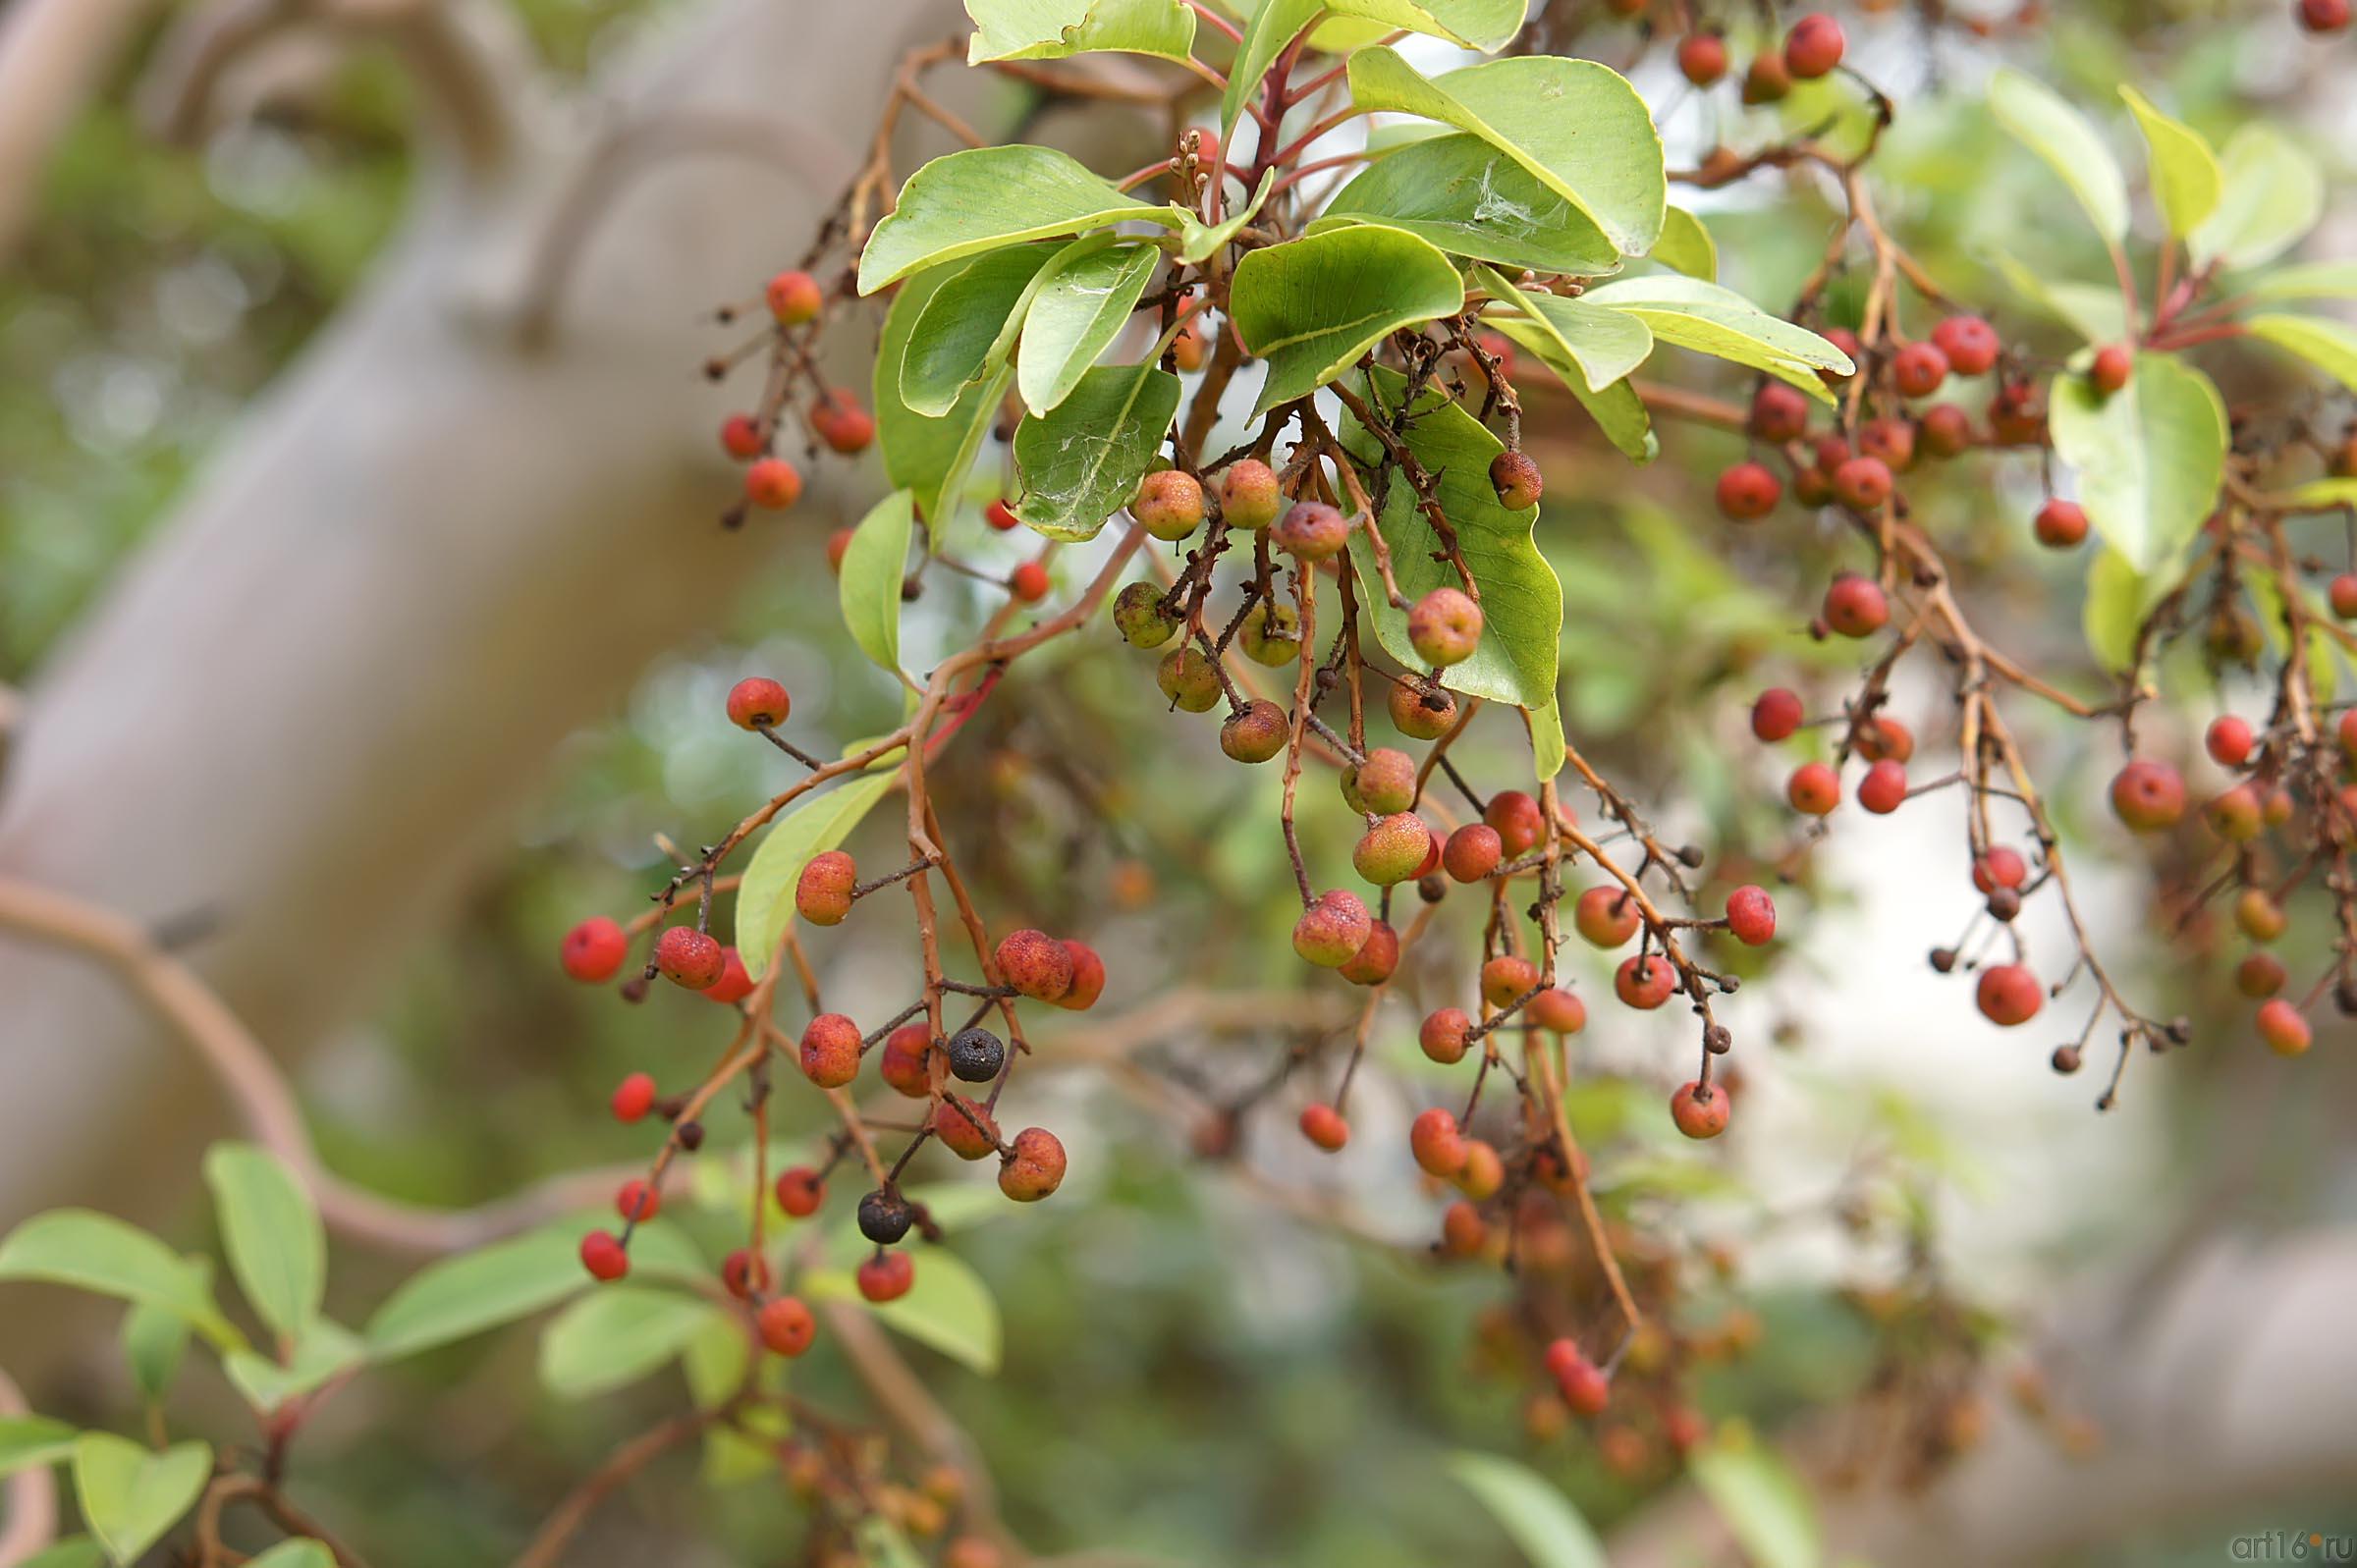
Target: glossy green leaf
column 966, row 329
column 2273, row 195
column 1482, row 24
column 1521, row 599
column 2150, row 457
column 1198, row 240
column 461, row 1296
column 949, row 1309
column 1081, row 462
column 2096, row 312
column 131, row 1494
column 716, row 1360
column 968, row 202
column 1054, row 30
column 1547, row 748
column 1687, row 247
column 30, row 1440
column 929, row 457
column 1605, row 345
column 1765, row 1506
column 1275, row 24
column 2330, row 345
column 300, row 1552
column 2314, row 280
column 2068, row 142
column 1578, row 127
column 1533, row 1510
column 874, row 564
column 2186, row 181
column 815, row 825
column 1689, row 313
column 97, row 1252
column 1618, row 409
column 270, row 1228
column 321, row 1351
column 617, row 1335
column 1471, row 200
column 1311, row 306
column 1074, row 317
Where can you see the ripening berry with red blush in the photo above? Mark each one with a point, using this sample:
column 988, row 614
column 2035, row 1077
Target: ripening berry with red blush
column 1472, row 852
column 1606, row 916
column 2260, row 976
column 830, row 1050
column 1777, row 715
column 1813, row 46
column 1765, row 80
column 745, row 1273
column 633, row 1098
column 2000, row 867
column 1558, row 1011
column 2148, row 796
column 2258, row 916
column 2236, row 815
column 2061, row 525
column 1437, row 1147
column 2229, row 740
column 1463, row 1231
column 1033, row 1166
column 2009, row 994
column 1250, row 497
column 962, row 1127
column 1751, row 916
column 1444, row 1034
column 1918, row 369
column 1392, row 849
column 1169, row 504
column 740, row 437
column 1375, row 958
column 2280, row 1025
column 1420, row 713
column 902, row 1065
column 1855, row 606
column 1702, row 57
column 823, row 893
column 773, row 483
column 1518, row 822
column 786, row 1326
column 1883, row 789
column 839, row 420
column 1582, row 1384
column 794, row 298
column 885, row 1277
column 800, row 1191
column 1507, row 978
column 1862, row 483
column 1700, row 1109
column 1749, row 491
column 1644, row 981
column 1970, row 345
column 1035, row 964
column 594, row 949
column 2110, row 370
column 1324, row 1127
column 1333, row 929
column 1814, row 789
column 1445, row 626
column 1516, row 481
column 1482, row 1174
column 1029, row 584
column 689, row 957
column 1311, row 530
column 2342, row 594
column 602, row 1254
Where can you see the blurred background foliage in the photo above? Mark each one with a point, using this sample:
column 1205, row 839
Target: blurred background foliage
column 1188, row 1372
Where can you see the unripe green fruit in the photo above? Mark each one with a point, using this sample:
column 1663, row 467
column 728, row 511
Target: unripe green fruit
column 1393, row 849
column 1169, row 504
column 1271, row 633
column 1312, row 531
column 1188, row 679
column 1139, row 616
column 1445, row 626
column 1420, row 714
column 1331, row 930
column 1383, row 784
column 1248, row 494
column 1257, row 733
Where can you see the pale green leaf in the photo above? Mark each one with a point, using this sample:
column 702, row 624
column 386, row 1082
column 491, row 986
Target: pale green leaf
column 1534, row 1512
column 765, row 897
column 1074, row 317
column 1275, row 24
column 321, row 1351
column 466, row 1294
column 1765, row 1505
column 153, row 1340
column 618, row 1334
column 1578, row 127
column 277, row 1247
column 747, row 1450
column 716, row 1360
column 30, row 1440
column 1197, row 240
column 1547, row 749
column 1054, row 30
column 1472, row 199
column 2314, row 280
column 949, row 1307
column 97, row 1252
column 2330, row 345
column 2273, row 193
column 1689, row 313
column 1311, row 306
column 2150, row 457
column 1521, row 599
column 2186, row 181
column 2069, row 144
column 1482, row 24
column 963, row 333
column 874, row 564
column 2321, row 495
column 1687, row 247
column 300, row 1552
column 968, row 202
column 1605, row 345
column 929, row 457
column 2096, row 312
column 1618, row 409
column 131, row 1494
column 70, row 1551
column 1082, row 463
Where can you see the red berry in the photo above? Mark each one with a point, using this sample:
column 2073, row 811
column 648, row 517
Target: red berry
column 1001, row 516
column 745, row 1273
column 1507, row 978
column 1324, row 1127
column 838, row 545
column 902, row 1065
column 773, row 483
column 1028, row 583
column 1513, row 477
column 2061, row 525
column 1813, row 46
column 1918, row 369
column 1699, row 1110
column 689, row 957
column 1702, row 56
column 735, row 984
column 1445, row 626
column 1883, row 789
column 1766, row 81
column 1749, row 491
column 1033, row 1166
column 2108, row 371
column 1969, row 343
column 1088, row 978
column 1607, row 916
column 1777, row 715
column 823, row 893
column 2280, row 1025
column 633, row 1098
column 1333, row 929
column 800, row 1191
column 1035, row 964
column 1472, row 852
column 1558, row 1011
column 2148, row 796
column 1778, row 413
column 1519, row 820
column 1437, row 1147
column 1583, row 1386
column 1443, row 1033
column 594, row 949
column 887, row 1276
column 840, row 423
column 2342, row 594
column 1854, row 606
column 603, row 1256
column 2260, row 975
column 2009, row 994
column 1751, row 915
column 1644, row 981
column 786, row 1326
column 2229, row 741
column 830, row 1050
column 2000, row 867
column 2324, row 16
column 757, row 703
column 1379, row 954
column 740, row 437
column 1862, row 483
column 795, row 297
column 1814, row 789
column 1892, row 441
column 963, row 1127
column 1945, row 430
column 637, row 1201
